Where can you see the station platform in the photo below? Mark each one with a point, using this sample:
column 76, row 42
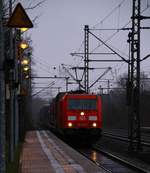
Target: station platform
column 44, row 153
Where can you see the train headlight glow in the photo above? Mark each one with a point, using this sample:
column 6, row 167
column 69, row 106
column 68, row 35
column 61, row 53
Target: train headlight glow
column 82, row 113
column 94, row 124
column 69, row 124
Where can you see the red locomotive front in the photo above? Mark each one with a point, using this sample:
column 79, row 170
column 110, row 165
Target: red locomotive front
column 78, row 113
column 83, row 111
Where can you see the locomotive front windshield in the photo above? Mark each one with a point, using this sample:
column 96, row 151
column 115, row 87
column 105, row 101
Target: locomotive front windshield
column 82, row 104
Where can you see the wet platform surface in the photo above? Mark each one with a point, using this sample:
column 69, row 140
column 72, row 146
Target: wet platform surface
column 45, row 153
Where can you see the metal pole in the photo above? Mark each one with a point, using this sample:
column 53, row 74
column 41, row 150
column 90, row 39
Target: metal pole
column 67, row 84
column 16, row 110
column 135, row 133
column 12, row 121
column 108, row 87
column 128, row 90
column 86, row 58
column 16, row 119
column 139, row 146
column 2, row 96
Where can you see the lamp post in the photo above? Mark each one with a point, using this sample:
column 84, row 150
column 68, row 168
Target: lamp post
column 18, row 19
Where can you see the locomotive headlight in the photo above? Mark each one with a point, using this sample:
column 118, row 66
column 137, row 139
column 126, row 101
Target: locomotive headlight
column 94, row 124
column 69, row 124
column 82, row 113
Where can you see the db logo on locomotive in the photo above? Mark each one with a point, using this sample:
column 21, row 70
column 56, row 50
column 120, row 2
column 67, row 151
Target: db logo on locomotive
column 82, row 117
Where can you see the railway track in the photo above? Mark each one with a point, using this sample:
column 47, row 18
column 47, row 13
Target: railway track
column 123, row 138
column 113, row 163
column 110, row 162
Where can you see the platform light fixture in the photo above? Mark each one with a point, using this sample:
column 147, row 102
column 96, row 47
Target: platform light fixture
column 26, row 68
column 24, row 45
column 27, row 77
column 23, row 29
column 25, row 61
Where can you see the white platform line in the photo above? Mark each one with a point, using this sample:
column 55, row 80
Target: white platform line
column 57, row 167
column 71, row 162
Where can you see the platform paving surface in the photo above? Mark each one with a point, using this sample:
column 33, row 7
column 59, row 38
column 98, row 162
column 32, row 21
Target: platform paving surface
column 44, row 153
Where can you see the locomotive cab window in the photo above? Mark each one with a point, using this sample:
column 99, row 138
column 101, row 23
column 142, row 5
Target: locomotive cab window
column 82, row 104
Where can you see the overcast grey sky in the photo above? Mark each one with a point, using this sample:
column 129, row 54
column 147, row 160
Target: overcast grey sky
column 59, row 32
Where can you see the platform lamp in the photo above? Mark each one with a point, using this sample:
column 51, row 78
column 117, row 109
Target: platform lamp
column 23, row 45
column 25, row 61
column 23, row 29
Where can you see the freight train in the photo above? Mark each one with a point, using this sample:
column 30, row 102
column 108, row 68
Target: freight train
column 76, row 114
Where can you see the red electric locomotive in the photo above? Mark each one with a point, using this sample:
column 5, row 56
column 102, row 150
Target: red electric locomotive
column 75, row 114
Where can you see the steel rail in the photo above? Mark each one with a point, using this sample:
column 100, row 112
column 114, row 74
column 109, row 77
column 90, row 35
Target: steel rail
column 125, row 139
column 111, row 157
column 126, row 163
column 120, row 161
column 97, row 163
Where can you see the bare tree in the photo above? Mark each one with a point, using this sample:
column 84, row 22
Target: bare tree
column 122, row 80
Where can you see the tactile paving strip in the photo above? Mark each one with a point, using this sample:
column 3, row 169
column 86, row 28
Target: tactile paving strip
column 56, row 157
